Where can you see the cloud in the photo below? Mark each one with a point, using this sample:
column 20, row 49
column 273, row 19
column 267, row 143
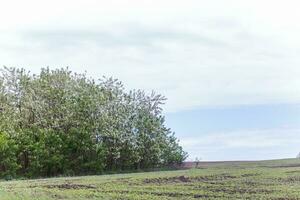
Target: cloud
column 256, row 144
column 197, row 54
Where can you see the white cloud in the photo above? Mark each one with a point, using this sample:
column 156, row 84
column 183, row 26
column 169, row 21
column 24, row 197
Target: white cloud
column 198, row 54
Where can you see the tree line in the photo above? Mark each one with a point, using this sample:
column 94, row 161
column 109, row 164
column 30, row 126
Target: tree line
column 58, row 122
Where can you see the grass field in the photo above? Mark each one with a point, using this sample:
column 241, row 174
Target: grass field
column 277, row 180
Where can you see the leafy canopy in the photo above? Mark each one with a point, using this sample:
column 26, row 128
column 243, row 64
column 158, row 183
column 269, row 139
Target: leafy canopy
column 59, row 122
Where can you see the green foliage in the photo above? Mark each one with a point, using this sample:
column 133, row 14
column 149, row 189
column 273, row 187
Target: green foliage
column 58, row 122
column 8, row 159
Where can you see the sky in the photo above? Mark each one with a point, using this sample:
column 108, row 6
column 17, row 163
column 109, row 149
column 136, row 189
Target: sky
column 230, row 69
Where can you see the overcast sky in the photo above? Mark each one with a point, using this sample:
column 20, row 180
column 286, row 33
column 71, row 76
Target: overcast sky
column 204, row 56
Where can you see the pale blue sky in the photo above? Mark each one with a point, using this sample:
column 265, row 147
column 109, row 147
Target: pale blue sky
column 240, row 132
column 230, row 69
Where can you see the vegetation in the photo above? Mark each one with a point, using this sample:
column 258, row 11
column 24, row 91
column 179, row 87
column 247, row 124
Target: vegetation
column 268, row 180
column 59, row 122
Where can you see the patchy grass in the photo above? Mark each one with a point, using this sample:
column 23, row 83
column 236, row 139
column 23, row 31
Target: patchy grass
column 276, row 180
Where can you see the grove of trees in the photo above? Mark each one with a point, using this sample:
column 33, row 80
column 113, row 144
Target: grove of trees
column 62, row 123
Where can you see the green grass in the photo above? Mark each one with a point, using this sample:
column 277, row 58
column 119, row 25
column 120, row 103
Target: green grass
column 277, row 180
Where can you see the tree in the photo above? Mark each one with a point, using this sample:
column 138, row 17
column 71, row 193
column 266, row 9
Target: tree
column 197, row 161
column 61, row 122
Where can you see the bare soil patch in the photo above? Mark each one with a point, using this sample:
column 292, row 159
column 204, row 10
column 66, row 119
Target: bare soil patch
column 184, row 179
column 71, row 186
